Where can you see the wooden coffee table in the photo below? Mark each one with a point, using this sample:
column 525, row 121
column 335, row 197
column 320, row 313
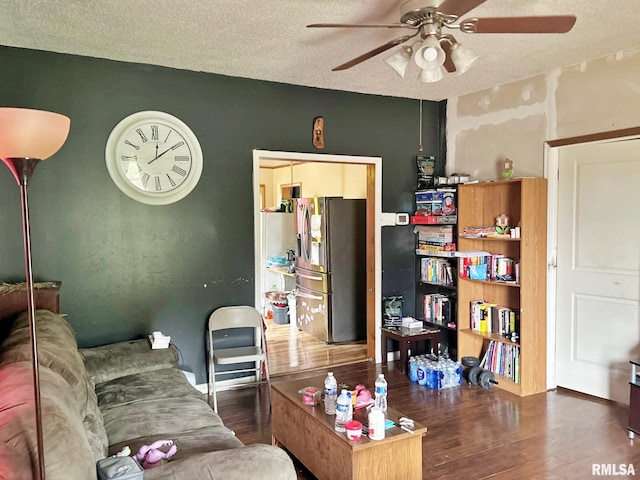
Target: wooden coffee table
column 309, row 435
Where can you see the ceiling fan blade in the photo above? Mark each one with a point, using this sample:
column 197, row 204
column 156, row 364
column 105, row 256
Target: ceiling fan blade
column 458, row 7
column 361, row 25
column 448, row 62
column 545, row 24
column 373, row 53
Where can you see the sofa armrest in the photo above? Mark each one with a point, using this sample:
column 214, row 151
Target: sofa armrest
column 116, row 360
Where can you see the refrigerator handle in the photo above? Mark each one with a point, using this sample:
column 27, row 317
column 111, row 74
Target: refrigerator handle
column 308, row 295
column 308, row 277
column 306, row 242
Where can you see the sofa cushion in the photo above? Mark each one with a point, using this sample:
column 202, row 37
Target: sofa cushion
column 255, row 462
column 193, row 442
column 159, row 402
column 66, row 449
column 116, row 360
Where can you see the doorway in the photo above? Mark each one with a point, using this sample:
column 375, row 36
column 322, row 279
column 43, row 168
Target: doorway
column 596, row 279
column 373, row 167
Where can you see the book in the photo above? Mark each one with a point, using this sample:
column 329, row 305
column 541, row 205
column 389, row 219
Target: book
column 502, row 359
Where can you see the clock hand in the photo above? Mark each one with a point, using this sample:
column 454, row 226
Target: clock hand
column 158, row 156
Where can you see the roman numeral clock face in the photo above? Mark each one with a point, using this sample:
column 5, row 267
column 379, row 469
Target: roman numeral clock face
column 154, row 158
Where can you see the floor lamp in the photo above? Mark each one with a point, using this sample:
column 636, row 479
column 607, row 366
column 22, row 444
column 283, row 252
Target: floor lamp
column 27, row 137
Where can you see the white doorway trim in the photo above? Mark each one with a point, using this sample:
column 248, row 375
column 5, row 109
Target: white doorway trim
column 551, row 170
column 259, row 155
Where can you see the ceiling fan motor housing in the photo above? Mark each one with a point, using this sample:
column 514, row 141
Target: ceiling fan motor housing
column 416, row 12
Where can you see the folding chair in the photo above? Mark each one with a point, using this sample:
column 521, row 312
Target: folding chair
column 227, row 318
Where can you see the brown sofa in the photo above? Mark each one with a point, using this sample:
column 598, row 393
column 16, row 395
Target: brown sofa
column 95, row 401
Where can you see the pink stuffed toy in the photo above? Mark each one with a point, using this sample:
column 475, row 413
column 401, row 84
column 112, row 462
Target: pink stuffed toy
column 151, row 456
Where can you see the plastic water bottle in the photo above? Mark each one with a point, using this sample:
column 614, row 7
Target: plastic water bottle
column 413, row 370
column 330, row 394
column 343, row 408
column 381, row 393
column 422, row 373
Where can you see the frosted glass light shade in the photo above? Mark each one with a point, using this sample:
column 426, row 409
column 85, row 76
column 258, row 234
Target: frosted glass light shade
column 430, row 54
column 399, row 61
column 432, row 74
column 26, row 133
column 462, row 57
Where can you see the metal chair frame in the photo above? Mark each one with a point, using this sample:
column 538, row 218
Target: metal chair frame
column 226, row 318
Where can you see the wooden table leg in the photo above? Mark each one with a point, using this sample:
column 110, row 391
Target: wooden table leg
column 404, row 347
column 384, row 348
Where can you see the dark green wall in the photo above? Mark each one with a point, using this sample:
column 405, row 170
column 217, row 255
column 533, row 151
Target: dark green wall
column 128, row 269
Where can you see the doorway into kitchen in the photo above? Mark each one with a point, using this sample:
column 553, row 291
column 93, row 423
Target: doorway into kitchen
column 318, row 175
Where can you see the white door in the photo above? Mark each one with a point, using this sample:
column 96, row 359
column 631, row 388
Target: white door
column 598, row 267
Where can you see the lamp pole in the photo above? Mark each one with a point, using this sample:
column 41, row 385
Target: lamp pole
column 22, row 169
column 28, row 136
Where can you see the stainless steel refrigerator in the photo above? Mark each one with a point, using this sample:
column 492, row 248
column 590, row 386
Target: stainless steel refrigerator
column 331, row 268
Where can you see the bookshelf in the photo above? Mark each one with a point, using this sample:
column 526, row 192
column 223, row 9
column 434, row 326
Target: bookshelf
column 436, row 264
column 524, row 201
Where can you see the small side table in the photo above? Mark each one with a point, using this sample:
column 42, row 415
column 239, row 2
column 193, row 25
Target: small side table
column 634, row 398
column 407, row 339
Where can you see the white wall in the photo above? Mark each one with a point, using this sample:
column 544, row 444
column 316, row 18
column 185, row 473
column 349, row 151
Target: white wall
column 515, row 120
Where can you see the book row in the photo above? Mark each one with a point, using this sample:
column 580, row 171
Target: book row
column 436, row 270
column 437, row 308
column 492, row 267
column 502, row 359
column 487, row 318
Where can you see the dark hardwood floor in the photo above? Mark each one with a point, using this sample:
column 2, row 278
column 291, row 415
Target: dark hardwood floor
column 475, row 433
column 291, row 350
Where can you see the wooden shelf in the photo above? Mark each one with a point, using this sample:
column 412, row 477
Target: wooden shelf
column 524, row 201
column 491, row 239
column 489, row 336
column 492, row 282
column 281, row 272
column 438, row 285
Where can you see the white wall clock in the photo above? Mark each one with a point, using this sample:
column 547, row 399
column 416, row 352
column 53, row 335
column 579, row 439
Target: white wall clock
column 153, row 157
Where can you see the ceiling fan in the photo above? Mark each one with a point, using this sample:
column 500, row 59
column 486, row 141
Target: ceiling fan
column 437, row 52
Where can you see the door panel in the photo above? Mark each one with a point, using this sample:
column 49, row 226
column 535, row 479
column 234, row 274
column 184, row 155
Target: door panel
column 313, row 312
column 597, row 314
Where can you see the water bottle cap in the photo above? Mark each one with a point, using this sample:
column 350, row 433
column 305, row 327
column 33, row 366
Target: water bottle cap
column 330, row 374
column 381, row 375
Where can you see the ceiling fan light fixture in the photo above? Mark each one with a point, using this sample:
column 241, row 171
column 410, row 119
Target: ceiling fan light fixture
column 462, row 57
column 430, row 54
column 431, row 74
column 399, row 61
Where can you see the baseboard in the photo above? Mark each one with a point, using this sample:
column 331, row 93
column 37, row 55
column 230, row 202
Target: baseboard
column 223, row 385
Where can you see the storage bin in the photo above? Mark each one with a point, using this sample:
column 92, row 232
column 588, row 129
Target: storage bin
column 280, row 313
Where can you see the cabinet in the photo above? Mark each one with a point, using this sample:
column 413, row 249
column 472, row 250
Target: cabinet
column 524, row 201
column 436, row 265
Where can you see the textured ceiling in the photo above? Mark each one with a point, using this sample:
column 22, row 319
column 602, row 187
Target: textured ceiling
column 268, row 39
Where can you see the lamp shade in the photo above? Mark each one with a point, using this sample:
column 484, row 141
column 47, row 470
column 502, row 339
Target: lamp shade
column 431, row 74
column 462, row 57
column 26, row 133
column 399, row 61
column 430, row 54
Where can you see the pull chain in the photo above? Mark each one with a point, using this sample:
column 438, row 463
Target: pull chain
column 420, row 133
